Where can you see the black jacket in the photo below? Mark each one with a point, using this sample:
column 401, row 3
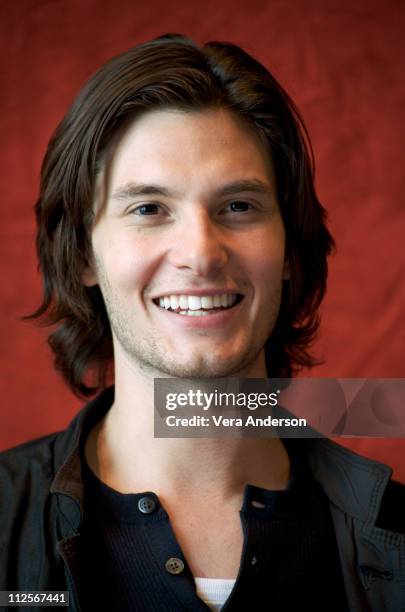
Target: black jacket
column 41, row 511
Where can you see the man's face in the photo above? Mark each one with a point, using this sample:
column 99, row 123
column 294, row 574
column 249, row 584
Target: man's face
column 189, row 208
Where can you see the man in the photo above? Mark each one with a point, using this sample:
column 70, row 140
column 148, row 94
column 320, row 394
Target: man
column 179, row 235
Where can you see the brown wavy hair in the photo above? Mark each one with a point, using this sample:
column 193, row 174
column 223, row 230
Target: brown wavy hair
column 171, row 72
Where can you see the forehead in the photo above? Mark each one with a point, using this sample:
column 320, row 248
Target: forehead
column 173, row 145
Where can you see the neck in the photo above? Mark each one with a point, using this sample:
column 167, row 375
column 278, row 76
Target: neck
column 123, row 453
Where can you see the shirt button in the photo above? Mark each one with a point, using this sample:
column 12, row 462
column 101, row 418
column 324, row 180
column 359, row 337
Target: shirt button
column 257, row 504
column 174, row 565
column 146, row 505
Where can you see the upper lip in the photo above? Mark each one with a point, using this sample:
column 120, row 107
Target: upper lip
column 198, row 292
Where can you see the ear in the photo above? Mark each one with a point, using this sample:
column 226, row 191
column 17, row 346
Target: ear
column 89, row 276
column 286, row 269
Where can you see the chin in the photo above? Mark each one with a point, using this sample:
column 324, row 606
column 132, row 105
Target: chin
column 201, row 367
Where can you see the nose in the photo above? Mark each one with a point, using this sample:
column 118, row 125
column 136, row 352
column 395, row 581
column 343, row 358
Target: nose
column 199, row 245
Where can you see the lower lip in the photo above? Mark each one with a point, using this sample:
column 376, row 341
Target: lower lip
column 217, row 319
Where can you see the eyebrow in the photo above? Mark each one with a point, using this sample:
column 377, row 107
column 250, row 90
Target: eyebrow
column 132, row 190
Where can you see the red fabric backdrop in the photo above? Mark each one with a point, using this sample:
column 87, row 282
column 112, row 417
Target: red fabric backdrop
column 342, row 62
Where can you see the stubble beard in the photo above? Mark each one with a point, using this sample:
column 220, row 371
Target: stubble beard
column 148, row 355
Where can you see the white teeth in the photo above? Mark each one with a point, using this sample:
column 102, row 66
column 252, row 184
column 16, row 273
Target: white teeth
column 194, row 313
column 207, row 301
column 195, row 303
column 174, row 302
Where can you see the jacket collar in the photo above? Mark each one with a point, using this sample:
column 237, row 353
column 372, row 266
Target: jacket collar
column 68, row 481
column 353, row 483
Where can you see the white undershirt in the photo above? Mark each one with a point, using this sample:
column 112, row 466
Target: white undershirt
column 214, row 591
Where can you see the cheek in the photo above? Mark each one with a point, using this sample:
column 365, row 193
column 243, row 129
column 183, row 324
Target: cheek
column 129, row 262
column 265, row 256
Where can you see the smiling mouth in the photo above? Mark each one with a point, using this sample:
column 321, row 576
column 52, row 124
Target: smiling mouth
column 196, row 306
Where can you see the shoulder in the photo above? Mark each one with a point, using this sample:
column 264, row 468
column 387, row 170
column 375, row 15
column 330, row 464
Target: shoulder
column 37, row 461
column 356, row 485
column 28, row 462
column 31, row 448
